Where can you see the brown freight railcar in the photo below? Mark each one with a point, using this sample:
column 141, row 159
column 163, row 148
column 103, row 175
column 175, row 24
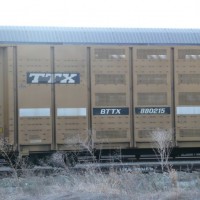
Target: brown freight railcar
column 102, row 94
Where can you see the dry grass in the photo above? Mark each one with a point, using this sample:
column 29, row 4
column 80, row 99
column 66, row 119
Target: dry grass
column 98, row 185
column 89, row 185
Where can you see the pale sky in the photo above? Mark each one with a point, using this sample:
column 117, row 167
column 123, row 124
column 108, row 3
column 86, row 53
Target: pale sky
column 101, row 13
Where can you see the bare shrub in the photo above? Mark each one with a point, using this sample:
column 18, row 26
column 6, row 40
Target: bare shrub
column 7, row 153
column 81, row 146
column 163, row 144
column 6, row 150
column 88, row 144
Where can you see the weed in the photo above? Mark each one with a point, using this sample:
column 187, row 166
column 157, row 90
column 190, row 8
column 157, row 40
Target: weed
column 163, row 144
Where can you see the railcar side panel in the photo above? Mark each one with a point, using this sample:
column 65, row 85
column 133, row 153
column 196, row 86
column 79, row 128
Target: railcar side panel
column 7, row 95
column 34, row 77
column 2, row 128
column 152, row 92
column 71, row 96
column 187, row 96
column 110, row 96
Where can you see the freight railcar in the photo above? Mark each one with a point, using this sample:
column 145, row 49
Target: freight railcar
column 64, row 88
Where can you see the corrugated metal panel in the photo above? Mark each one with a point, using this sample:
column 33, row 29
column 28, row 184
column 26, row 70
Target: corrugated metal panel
column 11, row 34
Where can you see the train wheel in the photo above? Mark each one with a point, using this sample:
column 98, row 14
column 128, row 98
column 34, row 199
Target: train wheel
column 70, row 159
column 137, row 157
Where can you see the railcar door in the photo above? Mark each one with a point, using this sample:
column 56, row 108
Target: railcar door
column 110, row 96
column 34, row 77
column 152, row 92
column 187, row 96
column 71, row 97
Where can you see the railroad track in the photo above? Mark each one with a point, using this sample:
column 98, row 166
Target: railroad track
column 142, row 166
column 145, row 165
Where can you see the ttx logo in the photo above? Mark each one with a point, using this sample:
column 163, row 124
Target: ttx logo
column 49, row 78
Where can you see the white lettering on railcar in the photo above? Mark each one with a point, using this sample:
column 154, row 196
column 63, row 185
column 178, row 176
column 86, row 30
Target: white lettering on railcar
column 110, row 111
column 152, row 111
column 67, row 78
